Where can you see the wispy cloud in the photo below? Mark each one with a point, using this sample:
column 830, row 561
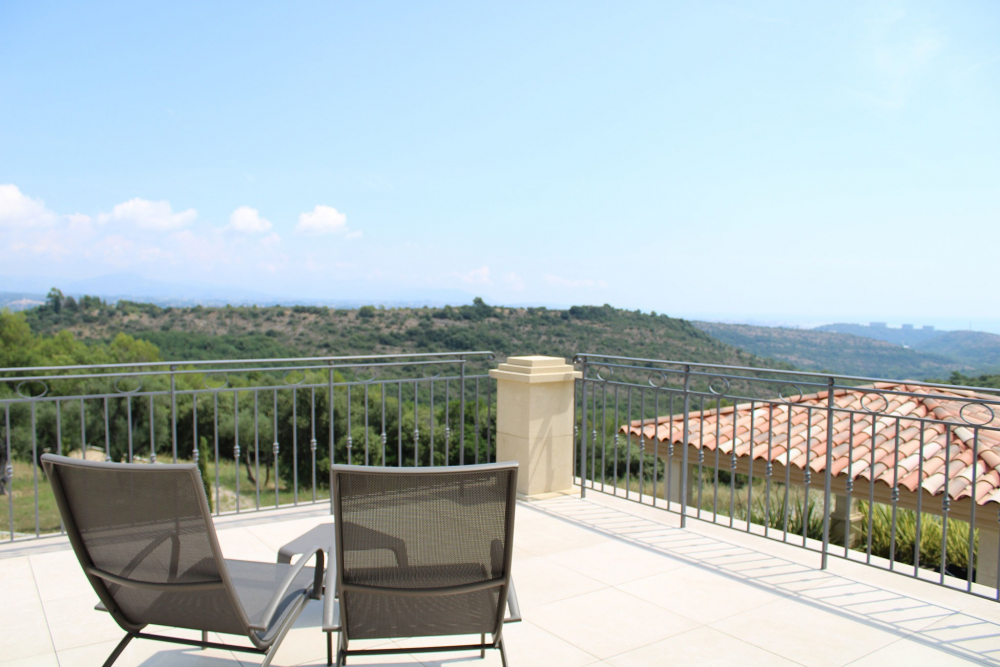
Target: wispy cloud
column 152, row 215
column 19, row 210
column 480, row 276
column 248, row 221
column 514, row 281
column 899, row 51
column 558, row 281
column 322, row 220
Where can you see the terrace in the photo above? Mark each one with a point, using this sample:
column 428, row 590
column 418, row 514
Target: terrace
column 611, row 567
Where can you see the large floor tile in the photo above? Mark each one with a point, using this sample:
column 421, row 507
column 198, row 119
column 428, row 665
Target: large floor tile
column 43, row 660
column 966, row 635
column 73, row 622
column 539, row 581
column 24, row 625
column 149, row 653
column 608, row 622
column 701, row 646
column 806, row 634
column 615, row 562
column 700, row 594
column 241, row 544
column 530, row 646
column 17, row 581
column 908, row 651
column 60, row 575
column 876, row 604
column 552, row 536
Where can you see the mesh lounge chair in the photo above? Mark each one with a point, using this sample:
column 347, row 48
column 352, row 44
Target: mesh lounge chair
column 421, row 552
column 144, row 536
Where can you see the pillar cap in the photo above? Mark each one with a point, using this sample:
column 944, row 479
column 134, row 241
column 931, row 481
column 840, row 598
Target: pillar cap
column 534, row 369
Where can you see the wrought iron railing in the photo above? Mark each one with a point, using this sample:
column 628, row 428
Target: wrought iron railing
column 264, row 432
column 899, row 475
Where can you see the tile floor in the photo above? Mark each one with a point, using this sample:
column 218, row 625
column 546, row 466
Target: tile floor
column 601, row 581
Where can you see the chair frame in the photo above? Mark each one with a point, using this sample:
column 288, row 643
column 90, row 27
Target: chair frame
column 335, row 610
column 262, row 645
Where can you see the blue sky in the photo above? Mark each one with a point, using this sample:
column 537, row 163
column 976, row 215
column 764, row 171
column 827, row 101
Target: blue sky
column 785, row 161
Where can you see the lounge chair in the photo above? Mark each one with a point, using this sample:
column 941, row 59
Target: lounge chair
column 420, row 552
column 145, row 539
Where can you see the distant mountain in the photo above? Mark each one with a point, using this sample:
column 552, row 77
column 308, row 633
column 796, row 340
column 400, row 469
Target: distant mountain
column 907, row 335
column 842, row 353
column 976, row 348
column 133, row 287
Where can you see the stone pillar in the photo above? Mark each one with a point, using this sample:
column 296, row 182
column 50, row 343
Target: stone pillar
column 986, row 562
column 843, row 518
column 535, row 397
column 674, row 473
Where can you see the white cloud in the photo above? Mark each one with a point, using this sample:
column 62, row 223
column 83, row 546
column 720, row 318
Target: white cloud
column 270, row 240
column 515, row 281
column 322, row 220
column 248, row 220
column 19, row 210
column 557, row 281
column 352, row 235
column 146, row 214
column 480, row 276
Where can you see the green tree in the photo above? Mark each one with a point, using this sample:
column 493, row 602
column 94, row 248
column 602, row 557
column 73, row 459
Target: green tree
column 55, row 299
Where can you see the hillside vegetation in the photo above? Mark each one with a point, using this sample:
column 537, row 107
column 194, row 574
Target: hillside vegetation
column 251, row 332
column 977, row 349
column 814, row 350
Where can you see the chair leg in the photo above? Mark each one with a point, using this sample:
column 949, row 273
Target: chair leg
column 342, row 649
column 482, row 640
column 204, row 637
column 329, row 648
column 118, row 650
column 503, row 654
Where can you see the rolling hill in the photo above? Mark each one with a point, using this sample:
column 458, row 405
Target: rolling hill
column 252, row 332
column 976, row 348
column 814, row 350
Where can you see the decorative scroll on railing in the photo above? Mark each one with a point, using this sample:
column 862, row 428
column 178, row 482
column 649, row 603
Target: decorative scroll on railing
column 900, row 475
column 260, row 430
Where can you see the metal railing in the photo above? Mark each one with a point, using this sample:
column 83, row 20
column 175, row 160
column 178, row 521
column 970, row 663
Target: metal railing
column 914, row 467
column 255, row 427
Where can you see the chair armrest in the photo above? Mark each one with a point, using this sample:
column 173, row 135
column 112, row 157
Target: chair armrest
column 331, row 604
column 515, row 609
column 282, row 589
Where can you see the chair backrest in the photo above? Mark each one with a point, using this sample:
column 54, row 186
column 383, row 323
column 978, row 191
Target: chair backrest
column 144, row 535
column 423, row 551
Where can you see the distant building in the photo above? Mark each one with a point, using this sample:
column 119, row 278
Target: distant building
column 878, row 325
column 907, row 327
column 928, row 327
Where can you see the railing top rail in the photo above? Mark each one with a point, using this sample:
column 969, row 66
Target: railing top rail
column 580, row 358
column 445, row 357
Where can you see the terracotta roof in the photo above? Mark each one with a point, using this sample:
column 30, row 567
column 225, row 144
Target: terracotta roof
column 793, row 416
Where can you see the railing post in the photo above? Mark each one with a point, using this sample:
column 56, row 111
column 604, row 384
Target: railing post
column 173, row 411
column 461, row 417
column 583, row 429
column 826, row 474
column 535, row 400
column 329, row 395
column 684, row 445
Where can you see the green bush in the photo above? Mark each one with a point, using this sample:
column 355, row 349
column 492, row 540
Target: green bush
column 906, row 533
